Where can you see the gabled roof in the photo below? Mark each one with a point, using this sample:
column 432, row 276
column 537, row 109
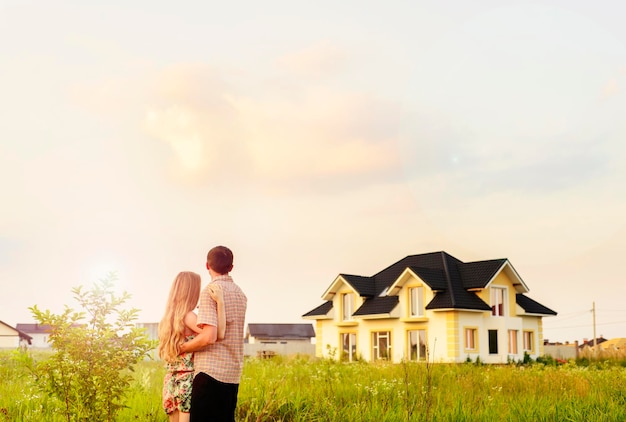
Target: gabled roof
column 377, row 306
column 41, row 328
column 33, row 328
column 20, row 333
column 452, row 281
column 320, row 311
column 281, row 331
column 614, row 343
column 364, row 286
column 478, row 274
column 531, row 307
column 435, row 278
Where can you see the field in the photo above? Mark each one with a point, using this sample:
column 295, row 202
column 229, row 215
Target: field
column 302, row 389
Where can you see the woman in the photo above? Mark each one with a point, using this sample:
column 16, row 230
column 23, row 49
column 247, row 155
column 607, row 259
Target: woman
column 179, row 324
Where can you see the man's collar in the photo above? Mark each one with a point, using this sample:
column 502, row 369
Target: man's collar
column 223, row 277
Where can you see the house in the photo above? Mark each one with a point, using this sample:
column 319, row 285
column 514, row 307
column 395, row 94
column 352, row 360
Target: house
column 12, row 337
column 151, row 330
column 266, row 340
column 431, row 306
column 593, row 342
column 558, row 350
column 614, row 344
column 279, row 333
column 40, row 333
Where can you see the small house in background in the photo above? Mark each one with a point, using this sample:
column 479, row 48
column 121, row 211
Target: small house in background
column 614, row 344
column 279, row 333
column 39, row 334
column 266, row 340
column 12, row 338
column 152, row 332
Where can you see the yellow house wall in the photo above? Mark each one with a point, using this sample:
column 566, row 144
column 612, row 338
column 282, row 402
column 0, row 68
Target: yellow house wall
column 452, row 334
column 540, row 349
column 404, row 299
column 319, row 336
column 9, row 337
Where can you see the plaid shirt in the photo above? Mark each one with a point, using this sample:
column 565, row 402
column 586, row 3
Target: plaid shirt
column 223, row 360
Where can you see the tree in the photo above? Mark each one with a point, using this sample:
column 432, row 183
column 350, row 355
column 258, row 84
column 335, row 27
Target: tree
column 90, row 369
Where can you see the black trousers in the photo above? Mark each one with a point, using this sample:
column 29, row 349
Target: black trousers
column 212, row 400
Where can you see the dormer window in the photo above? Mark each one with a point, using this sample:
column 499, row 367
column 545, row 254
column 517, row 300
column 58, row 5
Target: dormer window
column 497, row 301
column 347, row 306
column 416, row 301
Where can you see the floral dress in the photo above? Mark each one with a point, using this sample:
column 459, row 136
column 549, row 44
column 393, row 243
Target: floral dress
column 177, row 383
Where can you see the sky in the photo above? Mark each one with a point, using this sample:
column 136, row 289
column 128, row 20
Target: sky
column 313, row 139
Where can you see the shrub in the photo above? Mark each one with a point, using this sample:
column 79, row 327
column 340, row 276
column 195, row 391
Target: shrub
column 88, row 371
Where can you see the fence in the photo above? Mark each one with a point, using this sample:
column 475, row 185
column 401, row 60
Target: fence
column 266, row 349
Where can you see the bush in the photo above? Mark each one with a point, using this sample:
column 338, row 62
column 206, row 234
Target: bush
column 88, row 371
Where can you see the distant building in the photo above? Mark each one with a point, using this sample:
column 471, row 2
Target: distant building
column 12, row 338
column 152, row 331
column 267, row 340
column 279, row 333
column 40, row 334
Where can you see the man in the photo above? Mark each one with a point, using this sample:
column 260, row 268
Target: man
column 218, row 365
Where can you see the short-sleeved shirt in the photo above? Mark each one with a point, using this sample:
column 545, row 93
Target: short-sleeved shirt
column 223, row 360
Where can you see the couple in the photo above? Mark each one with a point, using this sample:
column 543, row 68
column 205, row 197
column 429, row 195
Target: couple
column 209, row 345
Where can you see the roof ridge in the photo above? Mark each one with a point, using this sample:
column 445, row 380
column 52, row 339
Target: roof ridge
column 448, row 280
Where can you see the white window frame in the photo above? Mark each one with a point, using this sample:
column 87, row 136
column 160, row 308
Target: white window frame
column 528, row 340
column 379, row 351
column 416, row 341
column 471, row 338
column 347, row 306
column 513, row 342
column 416, row 301
column 348, row 347
column 498, row 301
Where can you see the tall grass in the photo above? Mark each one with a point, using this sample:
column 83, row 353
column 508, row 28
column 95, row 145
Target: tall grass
column 303, row 389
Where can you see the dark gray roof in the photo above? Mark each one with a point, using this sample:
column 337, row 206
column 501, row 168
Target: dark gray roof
column 532, row 307
column 321, row 310
column 435, row 278
column 478, row 274
column 377, row 306
column 450, row 279
column 365, row 286
column 283, row 331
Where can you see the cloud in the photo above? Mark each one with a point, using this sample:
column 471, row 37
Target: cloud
column 178, row 127
column 261, row 136
column 610, row 89
column 319, row 60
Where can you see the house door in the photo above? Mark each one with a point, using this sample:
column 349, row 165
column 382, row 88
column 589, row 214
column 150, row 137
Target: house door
column 493, row 342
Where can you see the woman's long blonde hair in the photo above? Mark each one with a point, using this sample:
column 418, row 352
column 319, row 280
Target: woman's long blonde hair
column 183, row 298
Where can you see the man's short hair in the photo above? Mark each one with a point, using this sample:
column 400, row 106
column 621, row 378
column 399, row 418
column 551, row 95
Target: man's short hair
column 220, row 259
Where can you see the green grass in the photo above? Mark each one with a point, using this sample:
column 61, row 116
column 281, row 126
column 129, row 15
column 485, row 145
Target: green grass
column 303, row 389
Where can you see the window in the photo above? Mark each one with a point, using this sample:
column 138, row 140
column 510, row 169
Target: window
column 416, row 297
column 417, row 344
column 347, row 306
column 470, row 338
column 528, row 341
column 497, row 301
column 512, row 342
column 493, row 342
column 381, row 346
column 348, row 341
